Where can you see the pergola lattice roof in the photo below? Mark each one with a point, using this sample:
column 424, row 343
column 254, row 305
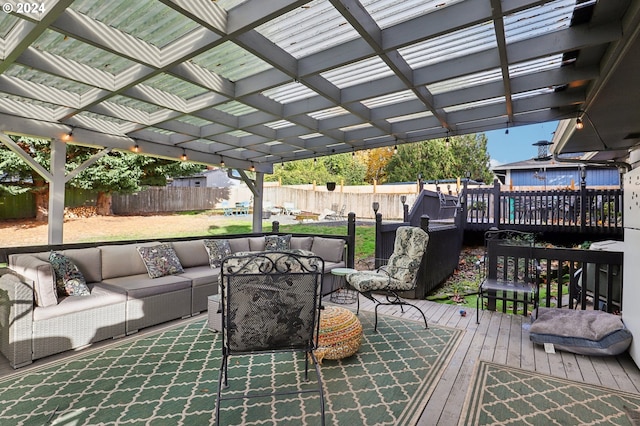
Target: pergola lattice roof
column 260, row 82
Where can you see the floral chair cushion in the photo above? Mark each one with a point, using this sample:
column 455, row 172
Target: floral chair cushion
column 400, row 273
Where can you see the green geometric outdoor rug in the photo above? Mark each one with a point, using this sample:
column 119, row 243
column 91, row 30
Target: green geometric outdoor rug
column 170, row 378
column 501, row 395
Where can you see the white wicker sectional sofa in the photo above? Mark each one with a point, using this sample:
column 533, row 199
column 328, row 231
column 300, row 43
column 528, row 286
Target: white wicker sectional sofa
column 123, row 297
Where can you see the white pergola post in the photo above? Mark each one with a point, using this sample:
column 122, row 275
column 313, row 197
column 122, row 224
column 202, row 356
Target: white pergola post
column 257, row 202
column 56, row 191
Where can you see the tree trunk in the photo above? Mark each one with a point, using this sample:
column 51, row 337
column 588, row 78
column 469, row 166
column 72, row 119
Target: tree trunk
column 41, row 198
column 103, row 204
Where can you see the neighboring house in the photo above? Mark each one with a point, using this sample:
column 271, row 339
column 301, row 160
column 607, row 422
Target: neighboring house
column 211, row 178
column 554, row 174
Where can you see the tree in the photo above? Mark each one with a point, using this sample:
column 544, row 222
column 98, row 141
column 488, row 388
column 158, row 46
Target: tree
column 440, row 159
column 377, row 160
column 118, row 171
column 333, row 168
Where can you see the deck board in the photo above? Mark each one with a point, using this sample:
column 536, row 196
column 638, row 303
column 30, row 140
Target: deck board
column 498, row 338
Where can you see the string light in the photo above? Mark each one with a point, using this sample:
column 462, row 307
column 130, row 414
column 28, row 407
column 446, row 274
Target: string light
column 395, row 149
column 253, row 168
column 68, row 135
column 136, row 148
column 579, row 124
column 221, row 161
column 183, row 157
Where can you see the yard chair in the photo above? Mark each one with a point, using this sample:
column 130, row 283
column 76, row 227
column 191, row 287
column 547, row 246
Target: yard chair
column 448, row 206
column 399, row 274
column 226, row 209
column 289, row 208
column 508, row 271
column 334, row 212
column 270, row 303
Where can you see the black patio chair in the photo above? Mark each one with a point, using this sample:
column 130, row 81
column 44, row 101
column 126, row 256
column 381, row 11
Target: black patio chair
column 270, row 303
column 508, row 271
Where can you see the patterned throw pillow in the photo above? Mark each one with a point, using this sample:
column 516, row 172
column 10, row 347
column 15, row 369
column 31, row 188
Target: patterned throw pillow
column 69, row 279
column 217, row 250
column 277, row 242
column 160, row 260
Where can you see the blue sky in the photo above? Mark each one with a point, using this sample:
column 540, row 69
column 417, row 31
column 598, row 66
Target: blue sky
column 518, row 144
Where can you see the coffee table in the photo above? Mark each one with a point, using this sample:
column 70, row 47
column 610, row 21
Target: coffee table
column 340, row 291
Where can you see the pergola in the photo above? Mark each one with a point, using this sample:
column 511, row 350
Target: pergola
column 250, row 83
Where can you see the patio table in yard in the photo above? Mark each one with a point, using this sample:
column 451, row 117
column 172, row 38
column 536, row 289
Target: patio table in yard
column 307, row 216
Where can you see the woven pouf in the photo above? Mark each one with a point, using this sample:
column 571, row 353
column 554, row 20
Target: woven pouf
column 340, row 333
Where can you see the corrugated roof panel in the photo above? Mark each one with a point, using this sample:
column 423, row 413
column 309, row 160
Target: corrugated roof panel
column 196, row 121
column 388, row 13
column 134, row 103
column 231, row 62
column 238, row 133
column 175, row 86
column 150, row 21
column 539, row 20
column 452, row 45
column 423, row 114
column 290, row 92
column 476, row 104
column 393, row 98
column 358, row 72
column 7, row 22
column 465, row 81
column 356, row 127
column 27, row 102
column 537, row 65
column 280, row 124
column 308, row 29
column 36, row 76
column 328, row 113
column 78, row 51
column 235, row 108
column 532, row 93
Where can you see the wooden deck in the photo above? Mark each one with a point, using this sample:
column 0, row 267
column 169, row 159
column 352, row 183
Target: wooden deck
column 498, row 338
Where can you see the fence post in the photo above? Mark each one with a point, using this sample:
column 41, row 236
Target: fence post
column 405, row 212
column 378, row 249
column 463, row 210
column 275, row 226
column 496, row 202
column 351, row 239
column 583, row 205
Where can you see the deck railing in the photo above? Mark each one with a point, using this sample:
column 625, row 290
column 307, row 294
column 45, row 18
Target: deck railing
column 591, row 211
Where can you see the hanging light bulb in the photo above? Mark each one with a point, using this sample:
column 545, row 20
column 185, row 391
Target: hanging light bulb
column 136, row 148
column 68, row 136
column 221, row 161
column 183, row 157
column 253, row 168
column 395, row 149
column 579, row 124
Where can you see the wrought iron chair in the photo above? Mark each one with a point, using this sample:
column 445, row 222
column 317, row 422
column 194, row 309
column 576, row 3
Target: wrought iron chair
column 270, row 303
column 508, row 271
column 399, row 274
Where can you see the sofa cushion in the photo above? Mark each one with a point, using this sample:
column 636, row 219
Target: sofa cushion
column 329, row 249
column 141, row 285
column 301, row 243
column 100, row 296
column 122, row 260
column 217, row 250
column 277, row 242
column 256, row 243
column 41, row 273
column 89, row 262
column 69, row 279
column 191, row 253
column 201, row 275
column 160, row 260
column 239, row 245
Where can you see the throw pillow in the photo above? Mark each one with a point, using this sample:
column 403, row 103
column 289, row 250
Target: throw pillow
column 277, row 242
column 160, row 260
column 69, row 279
column 217, row 250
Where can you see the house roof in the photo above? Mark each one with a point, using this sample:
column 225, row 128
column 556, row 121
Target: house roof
column 254, row 82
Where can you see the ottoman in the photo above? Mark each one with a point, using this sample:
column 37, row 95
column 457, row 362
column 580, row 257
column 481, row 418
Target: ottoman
column 340, row 333
column 214, row 313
